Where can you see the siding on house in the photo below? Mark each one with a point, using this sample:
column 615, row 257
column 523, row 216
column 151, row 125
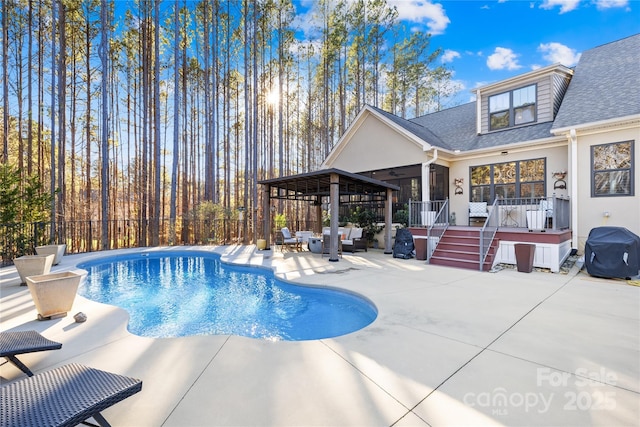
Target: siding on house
column 560, row 85
column 551, row 84
column 376, row 145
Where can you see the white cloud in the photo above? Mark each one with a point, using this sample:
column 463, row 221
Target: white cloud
column 424, row 12
column 503, row 58
column 449, row 56
column 565, row 5
column 557, row 52
column 608, row 4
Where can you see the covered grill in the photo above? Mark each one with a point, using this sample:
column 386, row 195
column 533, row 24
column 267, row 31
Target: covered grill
column 612, row 252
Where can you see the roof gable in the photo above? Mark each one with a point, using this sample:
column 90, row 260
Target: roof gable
column 377, row 140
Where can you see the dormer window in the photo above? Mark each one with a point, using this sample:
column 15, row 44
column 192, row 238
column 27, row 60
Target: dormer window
column 513, row 108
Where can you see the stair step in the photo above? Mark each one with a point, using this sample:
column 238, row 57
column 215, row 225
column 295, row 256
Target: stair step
column 453, row 246
column 461, row 249
column 460, row 239
column 457, row 255
column 459, row 263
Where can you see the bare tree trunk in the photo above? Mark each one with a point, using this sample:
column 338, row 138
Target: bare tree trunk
column 54, row 23
column 4, row 156
column 145, row 124
column 247, row 122
column 104, row 56
column 176, row 127
column 62, row 84
column 87, row 160
column 30, row 91
column 155, row 236
column 254, row 45
column 40, row 90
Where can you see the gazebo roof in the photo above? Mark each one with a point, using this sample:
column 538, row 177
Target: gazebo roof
column 312, row 186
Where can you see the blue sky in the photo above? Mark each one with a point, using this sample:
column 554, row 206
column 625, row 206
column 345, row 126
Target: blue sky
column 487, row 41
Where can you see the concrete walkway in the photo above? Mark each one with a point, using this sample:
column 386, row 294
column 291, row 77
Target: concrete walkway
column 449, row 347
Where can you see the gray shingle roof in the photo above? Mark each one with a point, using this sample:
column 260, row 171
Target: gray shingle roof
column 605, row 85
column 457, row 128
column 415, row 128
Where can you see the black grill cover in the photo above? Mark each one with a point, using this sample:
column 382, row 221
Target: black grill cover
column 403, row 248
column 612, row 252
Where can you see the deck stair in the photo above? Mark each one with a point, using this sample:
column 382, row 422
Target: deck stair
column 460, row 247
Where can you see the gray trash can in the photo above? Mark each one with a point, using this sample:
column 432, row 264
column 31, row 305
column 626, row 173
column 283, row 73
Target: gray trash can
column 524, row 256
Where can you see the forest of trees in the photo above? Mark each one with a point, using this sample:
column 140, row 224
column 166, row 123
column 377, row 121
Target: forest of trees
column 152, row 109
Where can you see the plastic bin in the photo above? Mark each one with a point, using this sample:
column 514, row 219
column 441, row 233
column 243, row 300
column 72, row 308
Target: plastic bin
column 524, row 256
column 420, row 244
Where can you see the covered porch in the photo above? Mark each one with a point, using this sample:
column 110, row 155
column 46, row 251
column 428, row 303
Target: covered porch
column 333, row 187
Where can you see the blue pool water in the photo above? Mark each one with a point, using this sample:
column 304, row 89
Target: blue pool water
column 173, row 294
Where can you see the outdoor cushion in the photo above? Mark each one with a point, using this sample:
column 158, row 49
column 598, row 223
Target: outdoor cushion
column 356, row 233
column 478, row 209
column 352, row 234
column 344, row 232
column 286, row 233
column 303, row 236
column 355, row 241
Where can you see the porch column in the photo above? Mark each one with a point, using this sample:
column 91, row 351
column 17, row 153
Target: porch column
column 426, row 196
column 334, row 202
column 387, row 222
column 426, row 176
column 266, row 211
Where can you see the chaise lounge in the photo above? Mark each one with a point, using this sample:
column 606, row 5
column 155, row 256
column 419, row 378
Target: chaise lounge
column 65, row 396
column 21, row 342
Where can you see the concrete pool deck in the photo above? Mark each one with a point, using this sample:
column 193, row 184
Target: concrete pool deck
column 449, row 347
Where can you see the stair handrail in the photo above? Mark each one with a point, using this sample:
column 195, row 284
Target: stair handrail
column 488, row 230
column 442, row 222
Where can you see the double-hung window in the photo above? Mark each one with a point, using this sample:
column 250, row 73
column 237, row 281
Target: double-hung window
column 612, row 169
column 513, row 108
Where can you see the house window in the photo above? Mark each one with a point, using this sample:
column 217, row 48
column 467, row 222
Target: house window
column 508, row 180
column 513, row 108
column 612, row 169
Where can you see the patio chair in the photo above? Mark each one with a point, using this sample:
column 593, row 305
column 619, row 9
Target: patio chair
column 286, row 239
column 478, row 210
column 21, row 342
column 355, row 241
column 65, row 396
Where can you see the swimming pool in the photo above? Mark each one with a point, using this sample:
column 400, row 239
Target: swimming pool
column 173, row 294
